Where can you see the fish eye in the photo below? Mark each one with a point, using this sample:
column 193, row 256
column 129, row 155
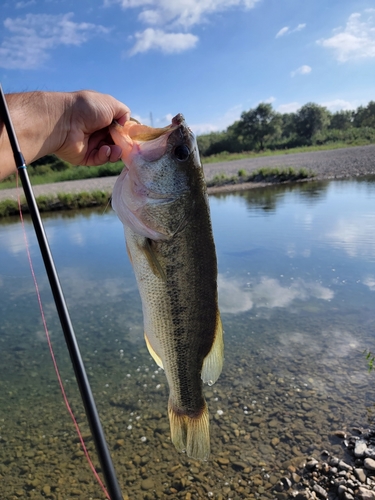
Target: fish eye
column 182, row 152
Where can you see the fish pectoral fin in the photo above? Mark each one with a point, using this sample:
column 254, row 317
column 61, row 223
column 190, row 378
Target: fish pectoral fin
column 128, row 252
column 213, row 362
column 149, row 252
column 190, row 434
column 154, row 356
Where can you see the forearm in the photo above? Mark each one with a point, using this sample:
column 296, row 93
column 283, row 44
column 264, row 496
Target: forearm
column 41, row 124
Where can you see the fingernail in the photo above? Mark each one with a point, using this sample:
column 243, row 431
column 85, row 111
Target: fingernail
column 108, row 152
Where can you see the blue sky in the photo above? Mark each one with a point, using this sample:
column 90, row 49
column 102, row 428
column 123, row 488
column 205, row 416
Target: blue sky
column 209, row 59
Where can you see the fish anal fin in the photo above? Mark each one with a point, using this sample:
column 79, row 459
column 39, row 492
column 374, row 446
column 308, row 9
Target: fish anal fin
column 190, row 434
column 213, row 362
column 153, row 354
column 149, row 252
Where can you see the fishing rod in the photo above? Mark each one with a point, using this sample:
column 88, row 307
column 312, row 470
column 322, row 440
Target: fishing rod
column 109, row 474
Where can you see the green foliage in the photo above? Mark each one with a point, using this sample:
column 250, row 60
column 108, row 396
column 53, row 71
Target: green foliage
column 8, row 207
column 217, row 142
column 341, row 120
column 43, row 173
column 370, row 357
column 365, row 116
column 263, row 174
column 312, row 125
column 259, row 124
column 311, row 119
column 62, row 201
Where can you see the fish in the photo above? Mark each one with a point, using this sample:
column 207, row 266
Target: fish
column 161, row 199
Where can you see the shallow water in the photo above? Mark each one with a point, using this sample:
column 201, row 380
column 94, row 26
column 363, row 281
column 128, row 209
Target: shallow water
column 297, row 291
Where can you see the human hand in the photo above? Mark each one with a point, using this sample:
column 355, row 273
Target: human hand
column 87, row 119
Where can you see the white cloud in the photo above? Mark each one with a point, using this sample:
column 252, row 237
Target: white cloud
column 171, row 16
column 185, row 13
column 356, row 40
column 338, row 104
column 282, row 32
column 35, row 35
column 290, row 107
column 235, row 296
column 220, row 123
column 269, row 100
column 22, row 5
column 168, row 43
column 287, row 31
column 302, row 70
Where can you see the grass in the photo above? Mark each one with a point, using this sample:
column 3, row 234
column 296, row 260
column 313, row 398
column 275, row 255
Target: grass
column 264, row 174
column 60, row 202
column 70, row 174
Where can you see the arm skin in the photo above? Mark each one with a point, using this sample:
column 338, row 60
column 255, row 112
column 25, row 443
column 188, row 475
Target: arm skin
column 72, row 125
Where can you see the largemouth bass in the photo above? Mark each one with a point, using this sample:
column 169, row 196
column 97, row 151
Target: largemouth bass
column 161, row 199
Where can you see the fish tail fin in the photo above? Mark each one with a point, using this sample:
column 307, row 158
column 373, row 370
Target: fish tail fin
column 190, row 434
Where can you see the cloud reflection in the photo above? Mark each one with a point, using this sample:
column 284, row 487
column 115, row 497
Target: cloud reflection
column 370, row 282
column 235, row 296
column 356, row 236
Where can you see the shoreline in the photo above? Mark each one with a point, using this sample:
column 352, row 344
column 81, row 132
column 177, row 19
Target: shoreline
column 327, row 165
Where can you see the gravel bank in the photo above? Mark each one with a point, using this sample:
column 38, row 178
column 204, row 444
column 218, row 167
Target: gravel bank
column 337, row 163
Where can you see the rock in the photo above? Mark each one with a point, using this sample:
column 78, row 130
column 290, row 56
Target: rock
column 348, row 496
column 369, row 464
column 321, row 492
column 311, row 464
column 360, row 448
column 223, row 461
column 147, row 484
column 46, row 490
column 339, row 434
column 360, row 475
column 344, row 466
column 365, row 494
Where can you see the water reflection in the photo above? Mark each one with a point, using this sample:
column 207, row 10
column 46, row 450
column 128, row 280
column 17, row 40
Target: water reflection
column 296, row 291
column 235, row 296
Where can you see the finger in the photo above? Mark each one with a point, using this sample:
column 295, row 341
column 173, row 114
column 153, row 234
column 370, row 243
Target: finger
column 116, row 153
column 106, row 153
column 123, row 118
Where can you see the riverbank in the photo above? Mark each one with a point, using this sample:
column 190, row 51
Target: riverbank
column 332, row 164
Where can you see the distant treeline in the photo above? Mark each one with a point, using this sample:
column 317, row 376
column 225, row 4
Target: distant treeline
column 264, row 128
column 257, row 129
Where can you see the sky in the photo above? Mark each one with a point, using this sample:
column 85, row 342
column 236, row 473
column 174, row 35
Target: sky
column 208, row 59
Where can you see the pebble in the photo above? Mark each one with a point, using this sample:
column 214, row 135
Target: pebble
column 369, row 464
column 360, row 448
column 334, row 478
column 147, row 484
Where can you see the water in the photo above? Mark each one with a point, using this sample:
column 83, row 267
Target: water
column 297, row 290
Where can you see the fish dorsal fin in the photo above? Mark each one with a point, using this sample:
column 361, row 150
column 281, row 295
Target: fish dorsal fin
column 154, row 356
column 213, row 362
column 152, row 259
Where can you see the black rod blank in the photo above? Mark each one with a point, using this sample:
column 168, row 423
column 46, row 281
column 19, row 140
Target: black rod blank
column 70, row 338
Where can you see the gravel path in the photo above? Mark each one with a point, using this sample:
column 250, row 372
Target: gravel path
column 336, row 163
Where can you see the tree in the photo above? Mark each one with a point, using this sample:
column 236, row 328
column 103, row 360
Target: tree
column 288, row 124
column 310, row 119
column 341, row 120
column 258, row 124
column 365, row 116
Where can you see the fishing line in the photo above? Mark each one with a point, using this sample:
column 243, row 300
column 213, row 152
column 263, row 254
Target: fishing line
column 67, row 404
column 62, row 310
